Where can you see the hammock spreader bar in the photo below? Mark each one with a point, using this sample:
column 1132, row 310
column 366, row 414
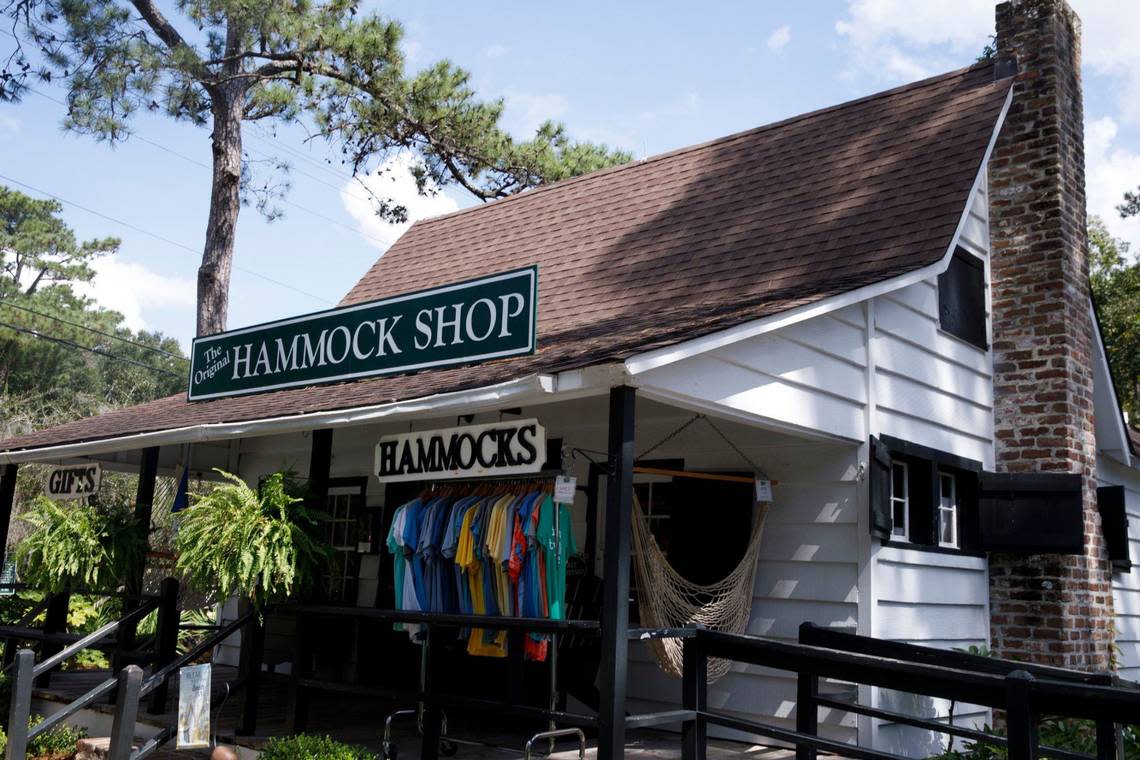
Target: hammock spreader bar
column 698, row 475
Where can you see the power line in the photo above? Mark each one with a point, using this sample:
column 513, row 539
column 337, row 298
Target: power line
column 286, row 201
column 96, row 331
column 156, row 236
column 100, row 352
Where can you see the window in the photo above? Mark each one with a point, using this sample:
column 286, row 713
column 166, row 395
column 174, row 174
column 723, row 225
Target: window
column 947, row 511
column 962, row 299
column 900, row 500
column 923, row 497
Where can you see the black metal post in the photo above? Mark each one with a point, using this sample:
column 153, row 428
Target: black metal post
column 320, row 462
column 126, row 713
column 807, row 712
column 21, row 707
column 298, row 710
column 615, row 578
column 432, row 714
column 1108, row 740
column 516, row 666
column 1020, row 717
column 144, row 503
column 7, row 498
column 694, row 696
column 55, row 621
column 166, row 641
column 252, row 649
column 591, row 546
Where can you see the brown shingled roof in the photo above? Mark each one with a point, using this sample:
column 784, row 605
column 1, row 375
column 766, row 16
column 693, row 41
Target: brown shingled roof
column 670, row 248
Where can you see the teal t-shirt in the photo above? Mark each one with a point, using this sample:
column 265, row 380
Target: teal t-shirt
column 556, row 556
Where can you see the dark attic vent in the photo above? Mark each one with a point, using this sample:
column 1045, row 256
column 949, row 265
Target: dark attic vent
column 962, row 298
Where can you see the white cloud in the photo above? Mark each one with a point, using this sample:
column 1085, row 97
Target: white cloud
column 413, row 50
column 9, row 125
column 496, row 51
column 900, row 40
column 1110, row 171
column 1109, row 49
column 779, row 39
column 133, row 290
column 526, row 111
column 392, row 179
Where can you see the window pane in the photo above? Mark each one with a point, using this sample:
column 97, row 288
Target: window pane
column 898, row 483
column 946, row 520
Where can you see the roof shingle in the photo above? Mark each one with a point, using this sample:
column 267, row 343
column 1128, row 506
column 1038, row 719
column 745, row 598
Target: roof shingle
column 673, row 247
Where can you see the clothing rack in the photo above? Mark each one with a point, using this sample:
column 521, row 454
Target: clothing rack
column 507, row 480
column 698, row 475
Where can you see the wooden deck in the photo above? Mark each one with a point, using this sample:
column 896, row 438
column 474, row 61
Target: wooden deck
column 361, row 721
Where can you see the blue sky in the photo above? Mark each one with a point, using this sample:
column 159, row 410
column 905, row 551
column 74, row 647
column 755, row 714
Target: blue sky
column 647, row 77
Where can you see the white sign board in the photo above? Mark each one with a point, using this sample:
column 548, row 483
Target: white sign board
column 564, row 489
column 74, row 482
column 194, row 706
column 506, row 448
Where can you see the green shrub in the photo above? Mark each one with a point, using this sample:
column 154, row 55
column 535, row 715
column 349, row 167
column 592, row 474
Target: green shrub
column 57, row 743
column 77, row 545
column 233, row 540
column 1060, row 733
column 309, row 747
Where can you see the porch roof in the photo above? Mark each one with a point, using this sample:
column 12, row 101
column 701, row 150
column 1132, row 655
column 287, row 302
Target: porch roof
column 660, row 251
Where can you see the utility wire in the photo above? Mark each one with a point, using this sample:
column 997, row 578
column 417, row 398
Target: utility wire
column 96, row 331
column 286, row 201
column 156, row 236
column 100, row 352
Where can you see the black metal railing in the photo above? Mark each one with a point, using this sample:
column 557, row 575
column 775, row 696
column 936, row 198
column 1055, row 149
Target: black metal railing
column 1025, row 692
column 129, row 686
column 28, row 671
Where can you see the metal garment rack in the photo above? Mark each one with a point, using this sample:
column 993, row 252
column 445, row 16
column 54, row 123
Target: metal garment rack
column 429, row 704
column 547, row 475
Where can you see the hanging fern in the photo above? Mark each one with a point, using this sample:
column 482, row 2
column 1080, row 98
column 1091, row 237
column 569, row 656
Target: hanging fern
column 77, row 545
column 234, row 541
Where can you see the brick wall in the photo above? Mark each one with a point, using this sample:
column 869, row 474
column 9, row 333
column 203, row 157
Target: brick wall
column 1054, row 609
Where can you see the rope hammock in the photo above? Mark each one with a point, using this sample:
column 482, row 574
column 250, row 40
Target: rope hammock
column 668, row 600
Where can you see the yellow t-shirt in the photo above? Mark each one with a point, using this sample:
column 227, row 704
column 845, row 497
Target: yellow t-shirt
column 465, row 556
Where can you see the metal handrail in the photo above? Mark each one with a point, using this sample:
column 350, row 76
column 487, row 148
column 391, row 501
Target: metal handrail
column 160, row 675
column 97, row 635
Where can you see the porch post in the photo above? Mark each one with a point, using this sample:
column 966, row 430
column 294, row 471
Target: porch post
column 615, row 591
column 144, row 503
column 7, row 497
column 320, row 461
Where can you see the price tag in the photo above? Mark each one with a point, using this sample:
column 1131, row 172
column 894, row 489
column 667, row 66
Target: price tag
column 564, row 489
column 763, row 489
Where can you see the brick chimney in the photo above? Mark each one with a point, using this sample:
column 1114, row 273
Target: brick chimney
column 1049, row 608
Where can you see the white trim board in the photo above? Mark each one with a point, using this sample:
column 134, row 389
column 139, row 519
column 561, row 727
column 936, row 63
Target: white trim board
column 530, row 388
column 660, row 357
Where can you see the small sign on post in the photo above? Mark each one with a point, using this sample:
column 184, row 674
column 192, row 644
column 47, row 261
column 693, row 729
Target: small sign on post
column 74, row 482
column 194, row 707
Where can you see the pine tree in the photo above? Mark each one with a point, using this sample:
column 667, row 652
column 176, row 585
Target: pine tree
column 224, row 63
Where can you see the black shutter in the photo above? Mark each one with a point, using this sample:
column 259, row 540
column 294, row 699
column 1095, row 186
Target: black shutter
column 962, row 298
column 923, row 490
column 1031, row 513
column 879, row 479
column 968, row 533
column 1114, row 525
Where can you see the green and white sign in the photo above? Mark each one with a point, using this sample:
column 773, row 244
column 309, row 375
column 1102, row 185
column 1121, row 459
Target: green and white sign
column 489, row 318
